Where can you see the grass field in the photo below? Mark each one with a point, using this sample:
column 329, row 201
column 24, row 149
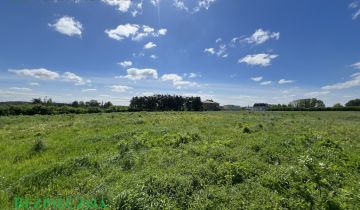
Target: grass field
column 185, row 160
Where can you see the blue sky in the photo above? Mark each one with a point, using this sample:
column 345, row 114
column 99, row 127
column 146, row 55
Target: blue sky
column 233, row 51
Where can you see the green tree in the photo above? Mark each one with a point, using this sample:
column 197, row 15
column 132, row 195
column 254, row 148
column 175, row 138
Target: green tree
column 355, row 102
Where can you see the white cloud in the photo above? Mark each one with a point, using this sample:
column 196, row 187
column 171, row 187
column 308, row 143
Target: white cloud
column 353, row 82
column 316, row 94
column 20, row 89
column 137, row 74
column 356, row 14
column 266, row 83
column 134, row 31
column 354, row 5
column 122, row 5
column 177, row 80
column 258, row 59
column 68, row 26
column 284, row 81
column 149, row 45
column 40, row 73
column 257, row 79
column 180, row 5
column 218, row 40
column 200, row 4
column 88, row 90
column 123, row 31
column 356, row 65
column 153, row 56
column 221, row 52
column 260, row 36
column 125, row 63
column 155, row 2
column 34, row 84
column 162, row 31
column 119, row 88
column 193, row 75
column 71, row 77
column 210, row 51
column 203, row 4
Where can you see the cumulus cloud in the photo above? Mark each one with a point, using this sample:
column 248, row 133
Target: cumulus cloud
column 20, row 89
column 71, row 77
column 353, row 82
column 40, row 73
column 284, row 81
column 266, row 83
column 210, row 51
column 260, row 36
column 177, row 80
column 257, row 79
column 258, row 59
column 149, row 45
column 119, row 88
column 138, row 74
column 125, row 63
column 68, row 26
column 122, row 5
column 134, row 31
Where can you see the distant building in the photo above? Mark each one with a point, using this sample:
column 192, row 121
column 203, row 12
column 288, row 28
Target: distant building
column 231, row 108
column 260, row 107
column 210, row 105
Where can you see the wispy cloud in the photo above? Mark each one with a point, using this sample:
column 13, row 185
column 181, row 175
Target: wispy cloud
column 71, row 77
column 200, row 5
column 125, row 63
column 40, row 73
column 353, row 82
column 20, row 89
column 284, row 81
column 177, row 80
column 266, row 83
column 261, row 36
column 257, row 79
column 355, row 6
column 316, row 94
column 119, row 88
column 149, row 45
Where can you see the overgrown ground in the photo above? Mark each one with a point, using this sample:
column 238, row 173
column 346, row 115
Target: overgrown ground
column 183, row 160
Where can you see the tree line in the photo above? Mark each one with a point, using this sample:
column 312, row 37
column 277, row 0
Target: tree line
column 48, row 107
column 165, row 103
column 313, row 104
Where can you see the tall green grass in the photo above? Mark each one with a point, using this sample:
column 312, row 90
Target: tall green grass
column 185, row 160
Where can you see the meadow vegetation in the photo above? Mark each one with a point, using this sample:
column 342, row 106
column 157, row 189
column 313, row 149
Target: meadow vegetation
column 185, row 160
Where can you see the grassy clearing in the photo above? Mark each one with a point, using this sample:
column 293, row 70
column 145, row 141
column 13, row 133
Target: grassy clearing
column 184, row 160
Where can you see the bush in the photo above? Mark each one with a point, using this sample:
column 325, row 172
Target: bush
column 39, row 146
column 246, row 130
